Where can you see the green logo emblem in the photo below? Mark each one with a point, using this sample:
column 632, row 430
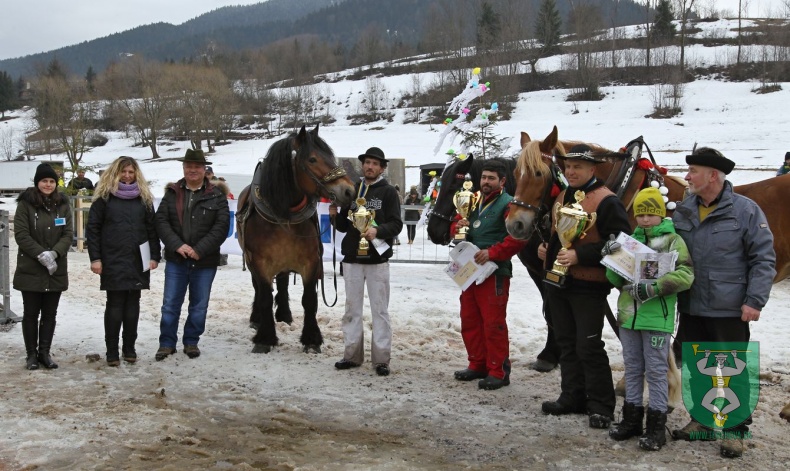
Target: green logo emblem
column 721, row 382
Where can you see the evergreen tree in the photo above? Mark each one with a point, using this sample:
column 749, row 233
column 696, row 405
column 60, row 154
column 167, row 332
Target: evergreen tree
column 55, row 70
column 489, row 29
column 90, row 79
column 7, row 93
column 547, row 27
column 663, row 28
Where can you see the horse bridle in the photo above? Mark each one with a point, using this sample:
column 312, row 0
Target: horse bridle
column 336, row 173
column 445, row 217
column 540, row 224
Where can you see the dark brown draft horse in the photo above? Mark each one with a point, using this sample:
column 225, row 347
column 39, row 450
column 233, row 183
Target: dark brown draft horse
column 278, row 228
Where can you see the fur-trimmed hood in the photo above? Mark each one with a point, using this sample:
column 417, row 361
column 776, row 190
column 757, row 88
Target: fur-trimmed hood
column 210, row 185
column 34, row 197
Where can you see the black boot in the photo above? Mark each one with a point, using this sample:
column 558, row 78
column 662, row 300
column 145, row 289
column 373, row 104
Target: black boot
column 45, row 333
column 32, row 360
column 30, row 334
column 655, row 437
column 631, row 423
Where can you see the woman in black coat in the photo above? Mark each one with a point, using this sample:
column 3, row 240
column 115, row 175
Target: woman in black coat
column 43, row 233
column 120, row 232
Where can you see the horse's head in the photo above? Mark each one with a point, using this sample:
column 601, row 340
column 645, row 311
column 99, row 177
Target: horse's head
column 443, row 210
column 535, row 176
column 316, row 170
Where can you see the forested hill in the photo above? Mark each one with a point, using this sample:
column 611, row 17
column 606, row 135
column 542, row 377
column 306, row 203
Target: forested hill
column 344, row 22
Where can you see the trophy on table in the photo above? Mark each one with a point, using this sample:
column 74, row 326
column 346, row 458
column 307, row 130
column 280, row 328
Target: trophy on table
column 464, row 201
column 571, row 222
column 362, row 220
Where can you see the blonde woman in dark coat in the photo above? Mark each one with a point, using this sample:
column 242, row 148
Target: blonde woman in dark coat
column 43, row 233
column 121, row 220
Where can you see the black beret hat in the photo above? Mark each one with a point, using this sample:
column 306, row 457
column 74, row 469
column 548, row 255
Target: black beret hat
column 374, row 152
column 710, row 157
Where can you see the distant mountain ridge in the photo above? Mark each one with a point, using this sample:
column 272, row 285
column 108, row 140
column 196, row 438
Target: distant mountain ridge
column 235, row 28
column 166, row 41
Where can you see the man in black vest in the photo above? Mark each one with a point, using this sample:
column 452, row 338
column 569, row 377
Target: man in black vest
column 577, row 309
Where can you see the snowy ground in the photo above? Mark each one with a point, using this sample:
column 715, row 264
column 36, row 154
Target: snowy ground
column 231, row 409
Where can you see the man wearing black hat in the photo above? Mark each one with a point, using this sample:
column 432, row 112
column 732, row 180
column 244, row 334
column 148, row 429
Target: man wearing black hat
column 578, row 307
column 732, row 250
column 371, row 269
column 193, row 221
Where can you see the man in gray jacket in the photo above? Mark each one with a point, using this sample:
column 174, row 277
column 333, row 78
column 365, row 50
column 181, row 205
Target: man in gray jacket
column 732, row 250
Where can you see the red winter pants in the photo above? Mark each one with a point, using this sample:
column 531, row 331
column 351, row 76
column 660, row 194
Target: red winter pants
column 484, row 325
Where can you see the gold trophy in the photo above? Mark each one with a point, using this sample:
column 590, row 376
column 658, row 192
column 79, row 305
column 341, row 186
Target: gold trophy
column 571, row 223
column 362, row 220
column 464, row 201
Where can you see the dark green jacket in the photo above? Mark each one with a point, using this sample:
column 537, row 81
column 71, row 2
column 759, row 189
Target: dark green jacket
column 491, row 230
column 35, row 232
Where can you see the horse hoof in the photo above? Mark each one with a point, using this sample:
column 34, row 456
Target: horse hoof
column 261, row 348
column 254, row 326
column 311, row 349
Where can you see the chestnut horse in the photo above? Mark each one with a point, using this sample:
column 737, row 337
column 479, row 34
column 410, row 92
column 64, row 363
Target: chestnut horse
column 278, row 228
column 771, row 196
column 625, row 173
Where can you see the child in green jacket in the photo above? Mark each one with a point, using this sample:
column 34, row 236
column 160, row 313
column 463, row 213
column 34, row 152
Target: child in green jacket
column 646, row 316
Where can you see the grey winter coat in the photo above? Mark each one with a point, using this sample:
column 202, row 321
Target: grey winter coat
column 39, row 228
column 732, row 252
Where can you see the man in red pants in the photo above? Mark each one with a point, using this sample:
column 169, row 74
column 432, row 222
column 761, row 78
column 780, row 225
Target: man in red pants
column 484, row 305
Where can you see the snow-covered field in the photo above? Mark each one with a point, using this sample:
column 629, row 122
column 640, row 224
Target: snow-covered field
column 288, row 410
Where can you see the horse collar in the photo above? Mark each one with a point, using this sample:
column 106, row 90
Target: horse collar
column 300, row 206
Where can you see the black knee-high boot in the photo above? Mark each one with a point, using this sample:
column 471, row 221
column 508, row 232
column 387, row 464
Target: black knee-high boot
column 30, row 334
column 113, row 319
column 46, row 331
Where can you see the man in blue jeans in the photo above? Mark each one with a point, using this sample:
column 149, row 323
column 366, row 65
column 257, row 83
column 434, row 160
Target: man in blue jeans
column 193, row 221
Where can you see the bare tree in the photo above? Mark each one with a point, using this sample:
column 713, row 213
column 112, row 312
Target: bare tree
column 204, row 104
column 65, row 113
column 649, row 5
column 7, row 140
column 144, row 92
column 584, row 21
column 376, row 97
column 684, row 8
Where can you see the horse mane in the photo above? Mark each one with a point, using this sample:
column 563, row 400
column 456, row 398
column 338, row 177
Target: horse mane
column 278, row 181
column 530, row 161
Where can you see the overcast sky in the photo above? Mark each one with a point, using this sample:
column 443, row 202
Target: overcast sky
column 31, row 26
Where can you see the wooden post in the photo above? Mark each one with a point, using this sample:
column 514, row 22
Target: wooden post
column 83, row 206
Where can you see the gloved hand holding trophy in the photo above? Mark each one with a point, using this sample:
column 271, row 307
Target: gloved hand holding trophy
column 465, row 201
column 571, row 222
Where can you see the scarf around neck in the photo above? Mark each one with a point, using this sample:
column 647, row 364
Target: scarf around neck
column 127, row 191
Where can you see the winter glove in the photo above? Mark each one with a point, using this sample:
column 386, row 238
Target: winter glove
column 642, row 291
column 47, row 259
column 610, row 246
